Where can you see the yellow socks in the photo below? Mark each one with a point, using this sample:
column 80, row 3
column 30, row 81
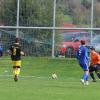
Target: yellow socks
column 16, row 71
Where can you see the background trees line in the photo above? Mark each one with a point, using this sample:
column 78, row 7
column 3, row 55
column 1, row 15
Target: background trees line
column 40, row 13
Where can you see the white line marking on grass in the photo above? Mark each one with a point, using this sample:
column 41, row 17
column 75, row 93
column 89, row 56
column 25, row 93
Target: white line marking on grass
column 24, row 76
column 41, row 77
column 6, row 75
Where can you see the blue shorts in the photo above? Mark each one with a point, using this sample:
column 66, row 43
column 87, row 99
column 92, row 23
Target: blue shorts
column 84, row 66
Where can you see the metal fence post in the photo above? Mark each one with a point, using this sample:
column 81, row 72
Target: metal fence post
column 53, row 37
column 17, row 23
column 92, row 8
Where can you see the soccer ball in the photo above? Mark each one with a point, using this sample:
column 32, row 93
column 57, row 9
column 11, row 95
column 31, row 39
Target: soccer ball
column 54, row 76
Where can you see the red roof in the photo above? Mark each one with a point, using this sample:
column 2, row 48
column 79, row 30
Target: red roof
column 70, row 26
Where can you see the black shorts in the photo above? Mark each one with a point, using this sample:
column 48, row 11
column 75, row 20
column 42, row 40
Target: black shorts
column 95, row 68
column 16, row 66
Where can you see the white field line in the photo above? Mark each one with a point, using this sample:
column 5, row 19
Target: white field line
column 26, row 76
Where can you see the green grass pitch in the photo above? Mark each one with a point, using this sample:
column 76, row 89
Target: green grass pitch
column 35, row 82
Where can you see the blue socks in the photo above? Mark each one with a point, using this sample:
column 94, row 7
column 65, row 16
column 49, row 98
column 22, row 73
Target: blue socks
column 85, row 77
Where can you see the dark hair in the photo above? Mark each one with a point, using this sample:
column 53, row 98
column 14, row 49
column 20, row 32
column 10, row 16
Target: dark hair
column 82, row 42
column 17, row 40
column 92, row 48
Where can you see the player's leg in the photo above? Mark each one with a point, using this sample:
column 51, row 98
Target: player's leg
column 18, row 64
column 91, row 70
column 85, row 76
column 14, row 67
column 17, row 70
column 97, row 70
column 14, row 70
column 15, row 73
column 98, row 74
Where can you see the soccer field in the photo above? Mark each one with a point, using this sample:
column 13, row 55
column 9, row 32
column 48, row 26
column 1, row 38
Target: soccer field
column 35, row 82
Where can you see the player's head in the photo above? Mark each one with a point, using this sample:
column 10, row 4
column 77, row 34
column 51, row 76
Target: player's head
column 92, row 48
column 17, row 40
column 17, row 44
column 82, row 42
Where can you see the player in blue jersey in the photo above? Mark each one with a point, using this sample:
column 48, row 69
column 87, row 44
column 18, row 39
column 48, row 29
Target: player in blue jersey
column 83, row 60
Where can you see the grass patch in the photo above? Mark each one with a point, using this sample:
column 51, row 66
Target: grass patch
column 40, row 86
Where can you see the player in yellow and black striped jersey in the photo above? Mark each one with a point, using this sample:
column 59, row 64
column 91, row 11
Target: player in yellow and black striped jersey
column 16, row 52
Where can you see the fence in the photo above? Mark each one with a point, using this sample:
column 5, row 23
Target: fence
column 38, row 23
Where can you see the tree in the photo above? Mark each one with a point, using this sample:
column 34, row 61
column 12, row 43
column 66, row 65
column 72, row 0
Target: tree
column 86, row 3
column 8, row 12
column 32, row 13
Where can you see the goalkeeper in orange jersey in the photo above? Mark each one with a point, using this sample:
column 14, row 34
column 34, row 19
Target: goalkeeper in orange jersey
column 16, row 52
column 94, row 64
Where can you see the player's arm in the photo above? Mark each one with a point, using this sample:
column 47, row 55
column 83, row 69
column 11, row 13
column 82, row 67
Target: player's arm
column 22, row 53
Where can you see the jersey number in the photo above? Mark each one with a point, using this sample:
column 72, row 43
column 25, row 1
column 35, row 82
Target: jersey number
column 14, row 51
